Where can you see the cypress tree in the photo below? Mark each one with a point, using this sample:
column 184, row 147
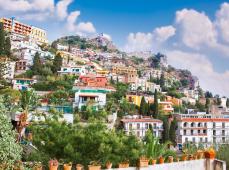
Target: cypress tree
column 227, row 103
column 165, row 133
column 142, row 108
column 36, row 64
column 7, row 47
column 156, row 112
column 172, row 131
column 2, row 39
column 57, row 63
column 162, row 81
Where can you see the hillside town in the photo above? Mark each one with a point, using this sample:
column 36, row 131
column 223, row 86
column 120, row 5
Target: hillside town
column 66, row 97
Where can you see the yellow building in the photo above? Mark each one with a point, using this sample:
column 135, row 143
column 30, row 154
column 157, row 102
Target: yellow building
column 136, row 99
column 129, row 72
column 39, row 35
column 102, row 72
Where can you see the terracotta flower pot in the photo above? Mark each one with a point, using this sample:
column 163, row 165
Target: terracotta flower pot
column 67, row 167
column 161, row 160
column 53, row 167
column 170, row 159
column 143, row 162
column 79, row 167
column 210, row 154
column 177, row 159
column 200, row 155
column 123, row 165
column 190, row 157
column 108, row 165
column 184, row 158
column 94, row 167
column 154, row 161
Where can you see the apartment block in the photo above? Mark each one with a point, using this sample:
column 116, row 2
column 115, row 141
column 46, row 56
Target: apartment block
column 139, row 125
column 202, row 128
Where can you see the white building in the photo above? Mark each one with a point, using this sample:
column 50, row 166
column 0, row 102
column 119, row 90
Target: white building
column 22, row 83
column 62, row 47
column 143, row 85
column 96, row 97
column 72, row 70
column 139, row 125
column 202, row 128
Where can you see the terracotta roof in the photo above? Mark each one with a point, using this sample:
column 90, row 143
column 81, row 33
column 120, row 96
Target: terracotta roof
column 141, row 120
column 204, row 119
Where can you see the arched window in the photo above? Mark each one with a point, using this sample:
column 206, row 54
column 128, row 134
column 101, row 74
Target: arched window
column 192, row 124
column 199, row 124
column 185, row 124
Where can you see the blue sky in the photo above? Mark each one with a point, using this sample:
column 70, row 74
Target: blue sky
column 193, row 34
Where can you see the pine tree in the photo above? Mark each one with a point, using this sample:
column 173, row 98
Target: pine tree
column 155, row 108
column 172, row 131
column 36, row 64
column 7, row 47
column 2, row 39
column 57, row 63
column 10, row 150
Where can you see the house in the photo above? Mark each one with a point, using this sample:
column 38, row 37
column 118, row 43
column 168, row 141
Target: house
column 202, row 128
column 136, row 98
column 90, row 96
column 93, row 80
column 175, row 101
column 72, row 70
column 21, row 66
column 9, row 68
column 130, row 73
column 166, row 106
column 22, row 83
column 139, row 125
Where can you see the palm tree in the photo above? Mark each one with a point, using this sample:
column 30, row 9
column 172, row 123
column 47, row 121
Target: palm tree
column 154, row 150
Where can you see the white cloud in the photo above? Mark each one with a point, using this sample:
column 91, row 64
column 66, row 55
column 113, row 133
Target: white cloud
column 200, row 65
column 25, row 5
column 222, row 21
column 62, row 8
column 139, row 42
column 164, row 33
column 87, row 27
column 195, row 29
column 81, row 28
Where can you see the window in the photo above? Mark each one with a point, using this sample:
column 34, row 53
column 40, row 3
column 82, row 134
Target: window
column 201, row 139
column 184, row 132
column 192, row 124
column 193, row 140
column 186, row 139
column 223, row 132
column 138, row 126
column 191, row 132
column 198, row 131
column 205, row 124
column 214, row 125
column 223, row 125
column 130, row 126
column 214, row 132
column 146, row 126
column 199, row 124
column 204, row 131
column 138, row 134
column 206, row 140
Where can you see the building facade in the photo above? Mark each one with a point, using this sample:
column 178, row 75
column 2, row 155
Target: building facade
column 202, row 128
column 139, row 125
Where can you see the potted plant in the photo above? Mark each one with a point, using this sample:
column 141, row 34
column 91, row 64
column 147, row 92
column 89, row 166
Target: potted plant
column 190, row 157
column 37, row 166
column 200, row 154
column 53, row 164
column 124, row 164
column 161, row 160
column 108, row 164
column 177, row 159
column 143, row 161
column 170, row 159
column 79, row 167
column 94, row 165
column 210, row 153
column 68, row 166
column 184, row 157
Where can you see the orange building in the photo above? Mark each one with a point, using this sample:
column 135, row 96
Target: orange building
column 175, row 101
column 93, row 80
